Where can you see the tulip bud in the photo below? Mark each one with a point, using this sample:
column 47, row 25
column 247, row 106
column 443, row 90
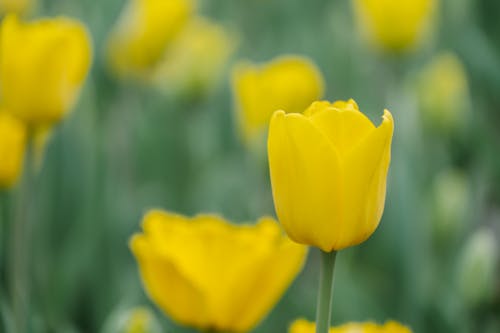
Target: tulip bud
column 195, row 60
column 289, row 83
column 43, row 65
column 477, row 267
column 329, row 170
column 145, row 29
column 394, row 25
column 443, row 93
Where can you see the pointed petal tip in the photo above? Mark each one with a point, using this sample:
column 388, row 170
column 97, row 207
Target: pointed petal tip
column 387, row 118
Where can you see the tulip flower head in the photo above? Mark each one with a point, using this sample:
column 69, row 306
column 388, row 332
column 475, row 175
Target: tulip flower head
column 288, row 83
column 304, row 326
column 12, row 147
column 394, row 25
column 196, row 59
column 444, row 92
column 143, row 32
column 208, row 274
column 328, row 173
column 42, row 67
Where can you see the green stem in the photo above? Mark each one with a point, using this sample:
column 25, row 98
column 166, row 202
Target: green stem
column 325, row 292
column 20, row 244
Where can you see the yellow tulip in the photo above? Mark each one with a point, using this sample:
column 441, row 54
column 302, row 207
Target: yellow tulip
column 206, row 273
column 328, row 173
column 303, row 326
column 444, row 92
column 196, row 58
column 42, row 67
column 394, row 25
column 16, row 6
column 12, row 147
column 289, row 83
column 143, row 32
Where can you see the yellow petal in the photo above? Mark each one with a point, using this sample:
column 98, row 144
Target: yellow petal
column 12, row 146
column 342, row 123
column 304, row 326
column 166, row 286
column 306, row 178
column 366, row 168
column 265, row 289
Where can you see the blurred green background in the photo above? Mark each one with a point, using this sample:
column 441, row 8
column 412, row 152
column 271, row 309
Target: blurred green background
column 128, row 147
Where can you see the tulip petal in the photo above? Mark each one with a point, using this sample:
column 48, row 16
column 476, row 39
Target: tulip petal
column 345, row 127
column 261, row 295
column 306, row 180
column 166, row 286
column 366, row 170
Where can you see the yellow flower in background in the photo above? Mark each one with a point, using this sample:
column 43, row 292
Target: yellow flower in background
column 394, row 25
column 139, row 319
column 288, row 83
column 42, row 67
column 328, row 173
column 196, row 59
column 444, row 92
column 206, row 273
column 12, row 147
column 16, row 6
column 304, row 326
column 143, row 32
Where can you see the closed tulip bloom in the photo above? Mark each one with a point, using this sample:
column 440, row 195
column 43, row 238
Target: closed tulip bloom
column 206, row 273
column 328, row 173
column 42, row 67
column 143, row 32
column 288, row 83
column 196, row 59
column 304, row 326
column 394, row 25
column 12, row 147
column 443, row 92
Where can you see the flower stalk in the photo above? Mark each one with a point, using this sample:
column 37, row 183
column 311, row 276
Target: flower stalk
column 325, row 292
column 19, row 247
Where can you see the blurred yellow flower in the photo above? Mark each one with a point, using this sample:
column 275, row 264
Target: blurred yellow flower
column 195, row 60
column 140, row 320
column 16, row 6
column 303, row 326
column 444, row 92
column 288, row 83
column 12, row 147
column 394, row 25
column 143, row 32
column 328, row 173
column 42, row 67
column 206, row 273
